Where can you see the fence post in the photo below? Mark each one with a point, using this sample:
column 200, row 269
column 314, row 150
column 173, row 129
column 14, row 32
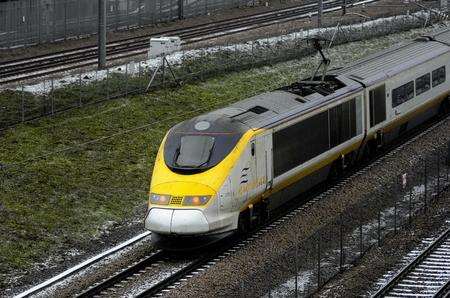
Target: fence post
column 379, row 228
column 448, row 162
column 52, row 97
column 126, row 80
column 102, row 27
column 410, row 205
column 65, row 19
column 425, row 183
column 128, row 14
column 180, row 9
column 395, row 215
column 22, row 104
column 341, row 243
column 296, row 271
column 360, row 238
column 318, row 261
column 319, row 13
column 80, row 99
column 448, row 153
column 107, row 83
column 438, row 155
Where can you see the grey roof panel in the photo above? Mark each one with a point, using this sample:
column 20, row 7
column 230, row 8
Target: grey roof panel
column 283, row 105
column 391, row 63
column 396, row 59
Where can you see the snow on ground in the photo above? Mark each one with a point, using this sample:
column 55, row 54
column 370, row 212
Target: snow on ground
column 135, row 68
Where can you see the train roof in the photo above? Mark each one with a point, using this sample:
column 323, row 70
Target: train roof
column 272, row 108
column 392, row 61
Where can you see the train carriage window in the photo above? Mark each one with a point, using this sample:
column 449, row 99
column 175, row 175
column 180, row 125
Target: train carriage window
column 409, row 90
column 377, row 104
column 402, row 94
column 423, row 84
column 398, row 94
column 438, row 76
column 342, row 122
column 300, row 142
column 359, row 115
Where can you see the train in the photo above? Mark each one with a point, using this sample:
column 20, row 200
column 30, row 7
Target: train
column 222, row 172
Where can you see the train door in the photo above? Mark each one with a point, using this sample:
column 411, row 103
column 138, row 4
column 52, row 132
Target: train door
column 264, row 162
column 377, row 105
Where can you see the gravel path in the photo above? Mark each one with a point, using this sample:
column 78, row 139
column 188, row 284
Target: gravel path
column 223, row 278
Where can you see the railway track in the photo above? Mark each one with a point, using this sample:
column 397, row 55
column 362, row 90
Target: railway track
column 44, row 65
column 428, row 275
column 156, row 268
column 160, row 271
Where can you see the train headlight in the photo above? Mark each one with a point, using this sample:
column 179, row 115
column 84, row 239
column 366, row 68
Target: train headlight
column 196, row 200
column 159, row 199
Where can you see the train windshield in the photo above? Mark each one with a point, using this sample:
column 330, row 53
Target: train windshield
column 195, row 151
column 201, row 143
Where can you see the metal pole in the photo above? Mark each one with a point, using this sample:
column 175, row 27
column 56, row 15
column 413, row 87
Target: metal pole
column 438, row 174
column 360, row 239
column 344, row 7
column 448, row 166
column 425, row 183
column 65, row 19
column 80, row 99
column 341, row 243
column 180, row 9
column 107, row 83
column 395, row 216
column 51, row 98
column 101, row 34
column 319, row 13
column 379, row 227
column 318, row 261
column 296, row 271
column 22, row 96
column 448, row 153
column 410, row 205
column 126, row 80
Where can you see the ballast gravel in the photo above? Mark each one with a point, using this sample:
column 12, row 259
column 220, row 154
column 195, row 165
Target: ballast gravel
column 380, row 264
column 224, row 278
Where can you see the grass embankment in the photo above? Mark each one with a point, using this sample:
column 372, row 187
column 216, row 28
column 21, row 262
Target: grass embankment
column 50, row 204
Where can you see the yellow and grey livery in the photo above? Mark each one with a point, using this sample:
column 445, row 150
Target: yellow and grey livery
column 217, row 172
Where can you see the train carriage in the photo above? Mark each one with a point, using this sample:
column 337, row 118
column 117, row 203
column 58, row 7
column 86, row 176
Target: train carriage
column 216, row 173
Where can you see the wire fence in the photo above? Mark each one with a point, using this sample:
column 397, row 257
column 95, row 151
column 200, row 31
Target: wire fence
column 390, row 207
column 23, row 102
column 25, row 22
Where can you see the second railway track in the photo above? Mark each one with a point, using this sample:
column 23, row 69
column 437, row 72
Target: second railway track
column 428, row 275
column 43, row 65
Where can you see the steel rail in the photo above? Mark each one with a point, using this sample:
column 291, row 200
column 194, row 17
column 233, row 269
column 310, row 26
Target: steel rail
column 94, row 260
column 67, row 61
column 122, row 275
column 165, row 32
column 405, row 271
column 444, row 291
